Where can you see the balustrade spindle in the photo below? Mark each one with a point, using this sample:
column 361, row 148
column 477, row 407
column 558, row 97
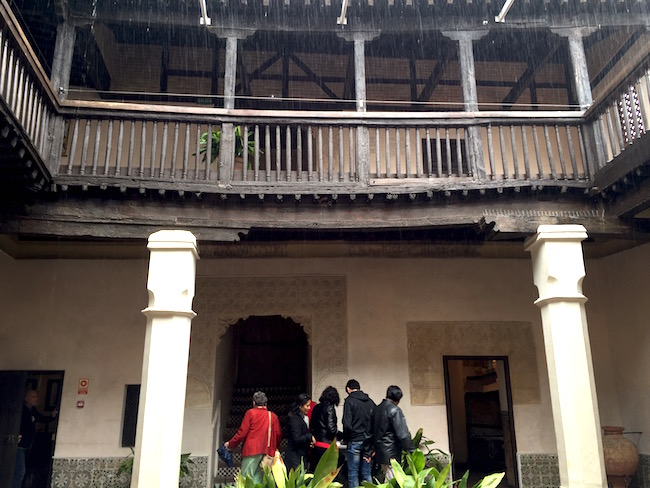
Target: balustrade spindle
column 459, row 153
column 635, row 116
column 398, row 158
column 407, row 151
column 172, row 172
column 278, row 153
column 619, row 131
column 387, row 152
column 490, row 144
column 310, row 154
column 288, row 141
column 549, row 151
column 154, row 141
column 9, row 81
column 186, row 151
column 3, row 63
column 129, row 163
column 14, row 81
column 627, row 125
column 299, row 153
column 73, row 146
column 538, row 154
column 572, row 154
column 330, row 154
column 244, row 169
column 208, row 154
column 143, row 140
column 341, row 156
column 642, row 106
column 611, row 134
column 20, row 96
column 267, row 151
column 513, row 145
column 560, row 151
column 120, row 142
column 256, row 153
column 28, row 107
column 163, row 150
column 418, row 154
column 504, row 155
column 428, row 148
column 351, row 154
column 197, row 157
column 438, row 153
column 98, row 131
column 524, row 143
column 583, row 153
column 109, row 144
column 377, row 155
column 320, row 153
column 600, row 127
column 84, row 148
column 38, row 129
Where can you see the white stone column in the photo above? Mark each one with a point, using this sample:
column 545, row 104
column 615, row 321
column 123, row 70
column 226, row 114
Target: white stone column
column 558, row 271
column 172, row 271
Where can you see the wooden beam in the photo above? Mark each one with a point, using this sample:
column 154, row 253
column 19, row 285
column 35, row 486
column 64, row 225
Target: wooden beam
column 285, row 73
column 528, row 76
column 313, row 76
column 625, row 47
column 436, row 74
column 243, row 75
column 348, row 85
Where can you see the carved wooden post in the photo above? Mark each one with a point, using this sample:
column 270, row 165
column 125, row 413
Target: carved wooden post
column 227, row 142
column 362, row 154
column 172, row 270
column 558, row 271
column 60, row 79
column 594, row 143
column 470, row 98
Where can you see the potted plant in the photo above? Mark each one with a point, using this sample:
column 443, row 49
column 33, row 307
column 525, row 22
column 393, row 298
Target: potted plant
column 243, row 142
column 126, row 466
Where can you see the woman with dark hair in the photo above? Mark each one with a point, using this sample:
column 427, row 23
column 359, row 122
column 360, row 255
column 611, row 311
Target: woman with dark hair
column 298, row 436
column 323, row 424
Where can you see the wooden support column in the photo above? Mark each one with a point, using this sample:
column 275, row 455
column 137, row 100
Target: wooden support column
column 582, row 88
column 172, row 271
column 362, row 153
column 227, row 144
column 558, row 271
column 60, row 79
column 474, row 144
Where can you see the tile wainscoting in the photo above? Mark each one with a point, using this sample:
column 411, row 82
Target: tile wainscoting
column 102, row 473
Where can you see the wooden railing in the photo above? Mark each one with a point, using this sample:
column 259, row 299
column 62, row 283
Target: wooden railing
column 108, row 144
column 24, row 87
column 623, row 117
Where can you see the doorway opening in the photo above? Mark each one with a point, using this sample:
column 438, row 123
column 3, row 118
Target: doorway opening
column 38, row 456
column 481, row 423
column 270, row 353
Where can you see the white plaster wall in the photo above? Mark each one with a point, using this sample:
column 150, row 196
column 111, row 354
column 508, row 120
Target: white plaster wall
column 84, row 317
column 625, row 318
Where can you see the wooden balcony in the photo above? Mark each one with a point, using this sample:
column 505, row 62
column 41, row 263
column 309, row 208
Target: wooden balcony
column 137, row 148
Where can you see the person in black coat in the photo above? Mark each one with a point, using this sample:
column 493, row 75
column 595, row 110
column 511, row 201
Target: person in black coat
column 323, row 424
column 297, row 433
column 389, row 431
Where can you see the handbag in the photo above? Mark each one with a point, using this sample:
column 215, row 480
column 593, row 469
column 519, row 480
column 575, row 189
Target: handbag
column 267, row 461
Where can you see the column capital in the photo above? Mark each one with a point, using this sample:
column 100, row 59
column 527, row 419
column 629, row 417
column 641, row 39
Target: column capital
column 581, row 32
column 240, row 33
column 460, row 35
column 355, row 35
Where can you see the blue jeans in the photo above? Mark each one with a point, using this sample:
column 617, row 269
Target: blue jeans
column 357, row 465
column 19, row 472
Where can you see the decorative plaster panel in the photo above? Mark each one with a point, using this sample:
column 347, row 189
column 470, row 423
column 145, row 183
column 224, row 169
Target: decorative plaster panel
column 317, row 303
column 428, row 342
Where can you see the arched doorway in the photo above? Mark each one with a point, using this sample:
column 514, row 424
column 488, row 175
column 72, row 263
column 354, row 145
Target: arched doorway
column 269, row 353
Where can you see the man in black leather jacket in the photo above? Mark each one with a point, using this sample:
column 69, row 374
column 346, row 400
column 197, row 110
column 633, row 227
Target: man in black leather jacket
column 390, row 432
column 357, row 418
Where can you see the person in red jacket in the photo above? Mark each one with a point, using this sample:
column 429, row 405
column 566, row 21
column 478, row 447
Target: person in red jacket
column 261, row 434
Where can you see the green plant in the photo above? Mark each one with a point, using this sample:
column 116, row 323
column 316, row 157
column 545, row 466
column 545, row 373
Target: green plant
column 241, row 141
column 126, row 466
column 277, row 476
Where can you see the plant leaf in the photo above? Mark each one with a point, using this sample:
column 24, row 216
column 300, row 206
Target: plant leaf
column 328, row 463
column 328, row 479
column 419, row 460
column 463, row 481
column 490, row 481
column 400, row 476
column 417, row 438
